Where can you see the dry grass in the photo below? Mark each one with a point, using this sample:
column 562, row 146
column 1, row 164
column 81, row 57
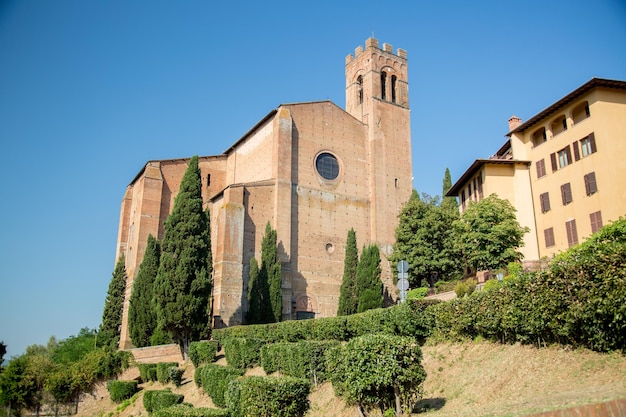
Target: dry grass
column 467, row 379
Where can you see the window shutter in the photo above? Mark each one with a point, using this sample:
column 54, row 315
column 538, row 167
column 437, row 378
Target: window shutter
column 576, row 151
column 590, row 183
column 572, row 233
column 566, row 193
column 553, row 161
column 592, row 141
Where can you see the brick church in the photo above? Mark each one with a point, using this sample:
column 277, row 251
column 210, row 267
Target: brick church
column 313, row 170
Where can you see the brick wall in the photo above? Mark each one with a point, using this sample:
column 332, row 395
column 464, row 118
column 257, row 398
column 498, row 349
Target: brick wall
column 155, row 354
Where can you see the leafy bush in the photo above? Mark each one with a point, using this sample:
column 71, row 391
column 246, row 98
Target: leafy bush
column 273, row 396
column 417, row 293
column 372, row 371
column 304, row 359
column 232, row 396
column 176, row 376
column 163, row 371
column 214, row 380
column 157, row 400
column 147, row 371
column 121, row 390
column 203, row 352
column 243, row 353
column 183, row 410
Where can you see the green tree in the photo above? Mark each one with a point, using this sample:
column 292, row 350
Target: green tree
column 109, row 334
column 369, row 287
column 489, row 235
column 347, row 294
column 16, row 392
column 425, row 239
column 74, row 348
column 142, row 319
column 3, row 351
column 271, row 271
column 182, row 288
column 378, row 371
column 258, row 292
column 448, row 203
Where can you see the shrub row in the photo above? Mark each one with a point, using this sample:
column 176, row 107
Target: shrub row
column 214, row 380
column 407, row 319
column 268, row 396
column 203, row 352
column 579, row 300
column 147, row 371
column 305, row 359
column 242, row 353
column 157, row 400
column 121, row 390
column 184, row 410
column 164, row 371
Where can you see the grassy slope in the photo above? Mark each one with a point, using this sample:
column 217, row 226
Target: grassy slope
column 468, row 379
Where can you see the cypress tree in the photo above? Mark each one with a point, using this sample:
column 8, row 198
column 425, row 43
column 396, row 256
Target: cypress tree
column 256, row 294
column 183, row 283
column 109, row 334
column 142, row 320
column 448, row 203
column 271, row 271
column 347, row 294
column 369, row 287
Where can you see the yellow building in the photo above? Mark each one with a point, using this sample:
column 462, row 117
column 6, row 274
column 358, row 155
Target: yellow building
column 563, row 169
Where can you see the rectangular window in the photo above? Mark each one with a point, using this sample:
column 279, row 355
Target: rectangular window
column 480, row 186
column 566, row 193
column 565, row 157
column 591, row 187
column 541, row 168
column 572, row 234
column 469, row 192
column 463, row 199
column 588, row 145
column 549, row 236
column 596, row 221
column 553, row 161
column 544, row 199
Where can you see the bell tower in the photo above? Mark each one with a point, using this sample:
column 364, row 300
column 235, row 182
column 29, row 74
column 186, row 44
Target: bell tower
column 377, row 94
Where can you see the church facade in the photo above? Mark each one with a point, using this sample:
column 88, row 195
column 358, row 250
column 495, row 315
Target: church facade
column 313, row 171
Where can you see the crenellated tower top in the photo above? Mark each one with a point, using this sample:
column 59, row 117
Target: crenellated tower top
column 375, row 74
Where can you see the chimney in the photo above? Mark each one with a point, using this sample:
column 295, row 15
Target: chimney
column 514, row 122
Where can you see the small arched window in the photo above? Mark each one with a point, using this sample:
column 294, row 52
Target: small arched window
column 393, row 88
column 383, row 85
column 539, row 136
column 580, row 112
column 558, row 125
column 359, row 82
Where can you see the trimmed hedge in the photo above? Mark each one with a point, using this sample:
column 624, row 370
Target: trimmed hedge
column 121, row 390
column 268, row 396
column 163, row 371
column 203, row 352
column 183, row 410
column 147, row 371
column 343, row 328
column 242, row 353
column 155, row 400
column 214, row 380
column 304, row 359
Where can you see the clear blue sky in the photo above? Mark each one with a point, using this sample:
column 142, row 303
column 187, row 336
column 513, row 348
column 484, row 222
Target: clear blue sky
column 91, row 90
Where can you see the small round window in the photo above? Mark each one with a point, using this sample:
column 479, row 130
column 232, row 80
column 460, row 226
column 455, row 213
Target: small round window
column 327, row 166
